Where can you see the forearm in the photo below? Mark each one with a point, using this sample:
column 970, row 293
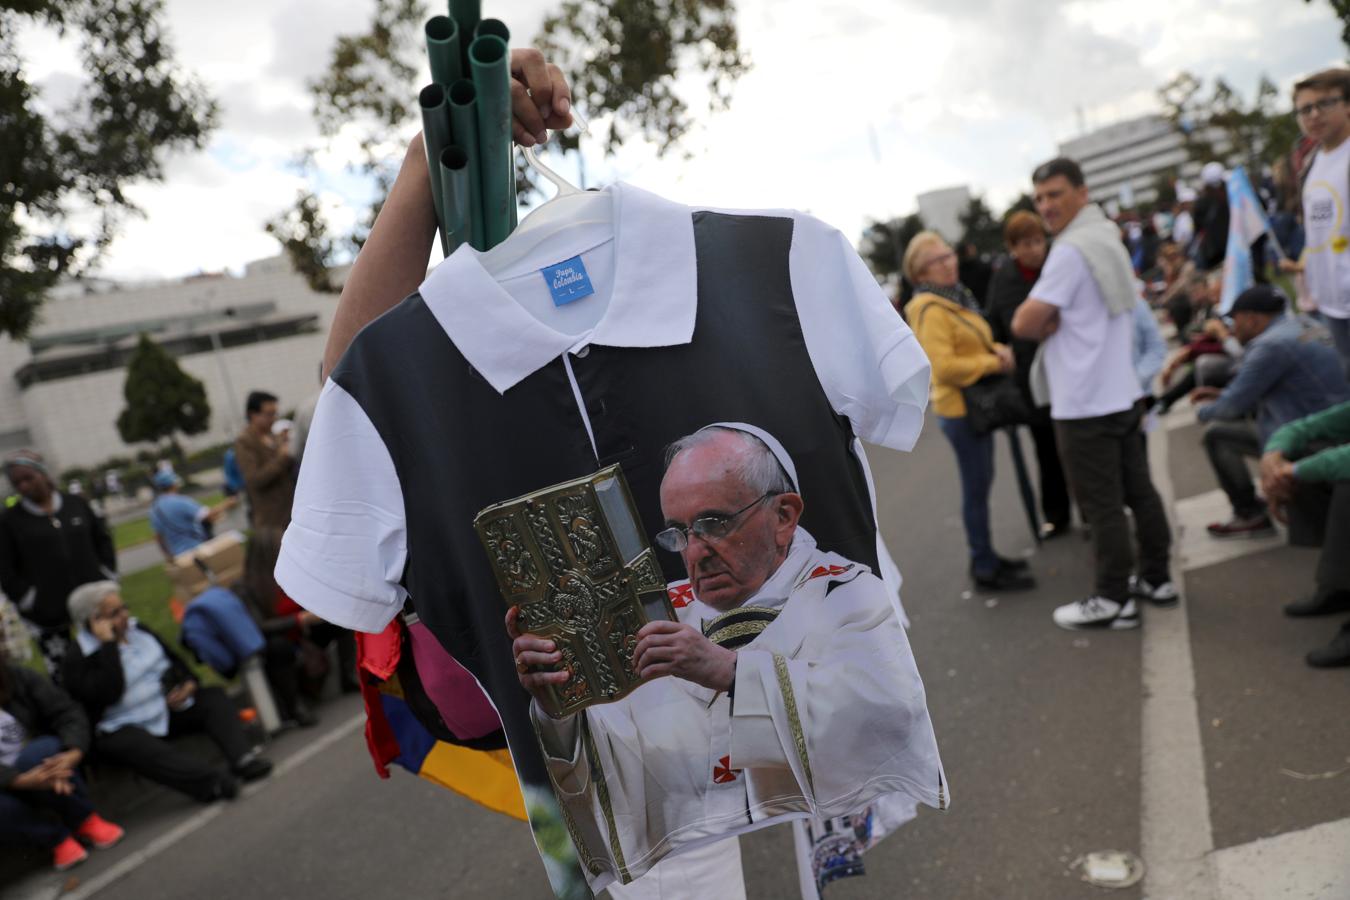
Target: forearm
column 1332, row 464
column 393, row 261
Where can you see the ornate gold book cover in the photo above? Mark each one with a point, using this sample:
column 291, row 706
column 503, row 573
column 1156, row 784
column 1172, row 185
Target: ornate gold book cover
column 574, row 558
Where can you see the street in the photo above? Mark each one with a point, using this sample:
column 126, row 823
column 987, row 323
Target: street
column 1056, row 744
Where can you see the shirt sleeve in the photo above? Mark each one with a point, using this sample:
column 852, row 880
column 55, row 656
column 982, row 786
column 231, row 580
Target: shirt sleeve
column 869, row 362
column 342, row 557
column 1061, row 277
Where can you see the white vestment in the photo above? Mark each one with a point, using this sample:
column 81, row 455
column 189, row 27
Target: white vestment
column 828, row 718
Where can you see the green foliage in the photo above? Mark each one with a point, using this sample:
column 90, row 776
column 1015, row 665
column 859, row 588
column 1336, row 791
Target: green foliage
column 162, row 399
column 884, row 243
column 136, row 105
column 623, row 59
column 1342, row 10
column 979, row 227
column 1220, row 124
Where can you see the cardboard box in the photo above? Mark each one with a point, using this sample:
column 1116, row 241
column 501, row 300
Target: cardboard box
column 217, row 561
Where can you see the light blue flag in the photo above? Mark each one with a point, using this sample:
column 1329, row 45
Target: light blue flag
column 1246, row 223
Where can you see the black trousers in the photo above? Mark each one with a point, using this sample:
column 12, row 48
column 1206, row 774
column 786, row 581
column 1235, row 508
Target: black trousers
column 1107, row 465
column 176, row 767
column 1054, row 489
column 1319, row 516
column 1228, row 446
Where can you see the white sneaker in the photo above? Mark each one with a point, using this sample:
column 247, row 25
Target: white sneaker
column 1163, row 594
column 1096, row 612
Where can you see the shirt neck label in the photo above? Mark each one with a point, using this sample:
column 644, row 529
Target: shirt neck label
column 567, row 281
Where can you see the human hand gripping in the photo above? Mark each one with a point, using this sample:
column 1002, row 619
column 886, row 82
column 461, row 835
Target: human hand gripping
column 540, row 97
column 536, row 659
column 672, row 648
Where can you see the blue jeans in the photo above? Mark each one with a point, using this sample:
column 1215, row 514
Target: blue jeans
column 21, row 818
column 975, row 461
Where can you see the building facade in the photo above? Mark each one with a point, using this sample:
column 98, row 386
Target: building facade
column 1121, row 162
column 262, row 331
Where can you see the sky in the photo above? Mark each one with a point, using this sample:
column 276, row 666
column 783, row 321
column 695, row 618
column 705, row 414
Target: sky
column 849, row 111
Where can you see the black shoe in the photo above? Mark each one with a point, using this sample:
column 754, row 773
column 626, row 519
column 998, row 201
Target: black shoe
column 1005, row 580
column 226, row 788
column 1012, row 565
column 1333, row 655
column 1319, row 604
column 252, row 767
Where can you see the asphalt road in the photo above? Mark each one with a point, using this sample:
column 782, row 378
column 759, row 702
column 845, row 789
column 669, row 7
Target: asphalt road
column 1040, row 731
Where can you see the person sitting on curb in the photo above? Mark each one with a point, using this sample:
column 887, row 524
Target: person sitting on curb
column 43, row 738
column 1305, row 474
column 139, row 692
column 1289, row 370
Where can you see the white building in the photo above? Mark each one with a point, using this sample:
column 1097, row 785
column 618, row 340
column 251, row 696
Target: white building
column 264, row 331
column 941, row 211
column 1122, row 162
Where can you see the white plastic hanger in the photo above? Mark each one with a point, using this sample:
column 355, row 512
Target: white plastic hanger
column 570, row 207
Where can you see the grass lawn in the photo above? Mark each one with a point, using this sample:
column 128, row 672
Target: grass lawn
column 138, row 531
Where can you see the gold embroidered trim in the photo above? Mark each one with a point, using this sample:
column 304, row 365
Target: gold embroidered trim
column 794, row 720
column 602, row 793
column 738, row 630
column 711, row 625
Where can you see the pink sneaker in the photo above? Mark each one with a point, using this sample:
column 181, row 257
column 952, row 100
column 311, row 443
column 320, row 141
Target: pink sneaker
column 68, row 853
column 99, row 831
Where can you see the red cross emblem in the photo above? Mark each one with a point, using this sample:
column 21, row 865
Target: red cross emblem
column 723, row 773
column 829, row 570
column 681, row 595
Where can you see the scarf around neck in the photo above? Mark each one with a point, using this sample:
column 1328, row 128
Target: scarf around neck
column 1095, row 236
column 957, row 293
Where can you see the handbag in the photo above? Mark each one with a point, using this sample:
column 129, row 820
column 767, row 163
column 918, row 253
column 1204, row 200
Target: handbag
column 995, row 401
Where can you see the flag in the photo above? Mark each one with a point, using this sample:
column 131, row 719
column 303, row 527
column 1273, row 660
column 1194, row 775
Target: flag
column 1246, row 223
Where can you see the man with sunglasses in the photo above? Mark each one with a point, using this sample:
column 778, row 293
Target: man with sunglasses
column 794, row 691
column 1320, row 105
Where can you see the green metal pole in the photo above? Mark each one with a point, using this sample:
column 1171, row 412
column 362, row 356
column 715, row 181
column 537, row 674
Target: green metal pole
column 456, row 195
column 436, row 137
column 489, row 66
column 447, row 63
column 464, row 126
column 466, row 14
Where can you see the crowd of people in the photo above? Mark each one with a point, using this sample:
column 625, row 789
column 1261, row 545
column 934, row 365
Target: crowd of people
column 1075, row 328
column 116, row 693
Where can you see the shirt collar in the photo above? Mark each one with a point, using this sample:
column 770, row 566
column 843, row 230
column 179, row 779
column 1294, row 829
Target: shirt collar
column 654, row 302
column 36, row 510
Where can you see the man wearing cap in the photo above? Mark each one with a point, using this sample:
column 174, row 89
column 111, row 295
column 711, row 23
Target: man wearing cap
column 50, row 543
column 1289, row 370
column 793, row 692
column 181, row 523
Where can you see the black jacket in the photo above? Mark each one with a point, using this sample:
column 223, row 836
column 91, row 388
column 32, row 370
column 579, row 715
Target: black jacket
column 42, row 708
column 97, row 680
column 55, row 555
column 1007, row 290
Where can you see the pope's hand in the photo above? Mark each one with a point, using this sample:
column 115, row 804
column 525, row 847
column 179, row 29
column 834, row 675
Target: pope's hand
column 670, row 648
column 532, row 653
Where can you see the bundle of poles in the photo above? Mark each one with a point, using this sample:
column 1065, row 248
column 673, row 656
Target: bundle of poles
column 466, row 126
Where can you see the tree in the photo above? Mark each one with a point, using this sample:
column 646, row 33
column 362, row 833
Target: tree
column 136, row 107
column 979, row 227
column 1220, row 124
column 883, row 243
column 1342, row 10
column 1024, row 202
column 623, row 58
column 162, row 399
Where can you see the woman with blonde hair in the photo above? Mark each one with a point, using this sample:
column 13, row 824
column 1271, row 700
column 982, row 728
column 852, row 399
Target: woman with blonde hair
column 946, row 319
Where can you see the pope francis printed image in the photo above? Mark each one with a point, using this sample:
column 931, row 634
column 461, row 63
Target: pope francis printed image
column 786, row 691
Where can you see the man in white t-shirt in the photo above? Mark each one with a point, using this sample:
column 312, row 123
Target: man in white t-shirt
column 1320, row 103
column 1082, row 310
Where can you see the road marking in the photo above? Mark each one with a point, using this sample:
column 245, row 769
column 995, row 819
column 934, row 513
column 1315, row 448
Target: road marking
column 1175, row 831
column 1307, row 863
column 203, row 818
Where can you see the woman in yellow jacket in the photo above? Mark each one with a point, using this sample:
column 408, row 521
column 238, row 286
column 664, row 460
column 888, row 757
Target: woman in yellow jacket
column 947, row 320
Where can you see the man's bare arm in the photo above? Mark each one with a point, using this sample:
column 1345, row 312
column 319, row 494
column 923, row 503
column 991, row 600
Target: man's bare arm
column 393, row 261
column 1035, row 320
